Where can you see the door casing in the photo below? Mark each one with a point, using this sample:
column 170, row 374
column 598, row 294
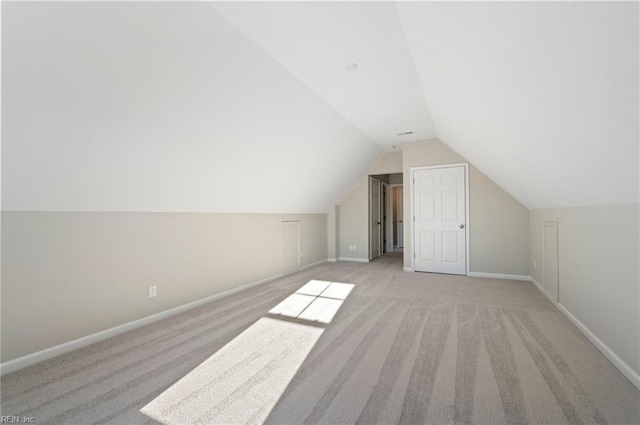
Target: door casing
column 375, row 249
column 551, row 260
column 290, row 246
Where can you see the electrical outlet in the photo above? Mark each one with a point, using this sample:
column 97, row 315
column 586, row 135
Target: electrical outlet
column 153, row 291
column 535, row 264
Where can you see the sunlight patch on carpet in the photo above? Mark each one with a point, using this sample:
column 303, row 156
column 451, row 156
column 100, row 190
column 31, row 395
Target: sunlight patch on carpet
column 317, row 301
column 243, row 381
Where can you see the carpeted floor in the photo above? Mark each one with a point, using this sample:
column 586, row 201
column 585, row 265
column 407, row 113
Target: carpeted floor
column 407, row 348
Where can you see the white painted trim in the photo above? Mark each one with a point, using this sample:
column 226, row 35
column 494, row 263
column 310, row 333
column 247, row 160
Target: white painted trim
column 392, row 188
column 387, row 211
column 300, row 253
column 620, row 364
column 51, row 352
column 553, row 224
column 500, row 276
column 374, row 181
column 467, row 216
column 317, row 263
column 411, row 247
column 541, row 289
column 332, row 260
column 356, row 259
column 535, row 282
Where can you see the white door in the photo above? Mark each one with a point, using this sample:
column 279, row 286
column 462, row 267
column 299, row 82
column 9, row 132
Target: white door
column 400, row 218
column 550, row 260
column 439, row 203
column 387, row 233
column 375, row 229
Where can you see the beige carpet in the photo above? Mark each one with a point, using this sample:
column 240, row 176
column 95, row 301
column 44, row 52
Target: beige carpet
column 407, row 348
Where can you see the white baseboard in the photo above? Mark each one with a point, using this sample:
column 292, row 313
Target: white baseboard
column 407, row 269
column 51, row 352
column 620, row 364
column 48, row 353
column 317, row 263
column 357, row 260
column 535, row 282
column 544, row 291
column 332, row 260
column 500, row 276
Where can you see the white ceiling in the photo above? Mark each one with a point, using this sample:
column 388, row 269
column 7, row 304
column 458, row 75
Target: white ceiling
column 161, row 107
column 315, row 40
column 200, row 107
column 542, row 97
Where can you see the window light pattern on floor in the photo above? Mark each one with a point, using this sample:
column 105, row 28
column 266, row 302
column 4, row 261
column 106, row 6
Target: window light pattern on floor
column 317, row 301
column 243, row 381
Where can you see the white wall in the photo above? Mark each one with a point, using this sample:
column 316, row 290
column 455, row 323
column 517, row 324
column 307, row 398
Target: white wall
column 599, row 278
column 67, row 275
column 354, row 221
column 498, row 231
column 354, row 208
column 499, row 227
column 161, row 106
column 388, row 163
column 127, row 130
column 333, row 233
column 523, row 87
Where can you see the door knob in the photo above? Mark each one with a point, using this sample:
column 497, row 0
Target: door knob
column 462, row 226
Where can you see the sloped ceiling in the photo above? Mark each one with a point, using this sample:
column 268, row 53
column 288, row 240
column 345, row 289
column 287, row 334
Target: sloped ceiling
column 540, row 96
column 247, row 107
column 315, row 40
column 162, row 107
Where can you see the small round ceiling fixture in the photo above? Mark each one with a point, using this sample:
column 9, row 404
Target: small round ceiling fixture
column 351, row 66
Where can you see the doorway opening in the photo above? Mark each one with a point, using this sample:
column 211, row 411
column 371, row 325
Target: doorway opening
column 385, row 214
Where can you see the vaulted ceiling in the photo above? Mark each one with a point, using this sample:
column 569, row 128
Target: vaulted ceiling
column 315, row 40
column 248, row 106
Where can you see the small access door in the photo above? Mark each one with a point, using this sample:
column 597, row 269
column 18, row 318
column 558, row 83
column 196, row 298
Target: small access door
column 290, row 246
column 550, row 260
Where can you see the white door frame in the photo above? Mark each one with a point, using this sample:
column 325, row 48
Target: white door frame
column 392, row 187
column 412, row 247
column 298, row 231
column 387, row 212
column 373, row 255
